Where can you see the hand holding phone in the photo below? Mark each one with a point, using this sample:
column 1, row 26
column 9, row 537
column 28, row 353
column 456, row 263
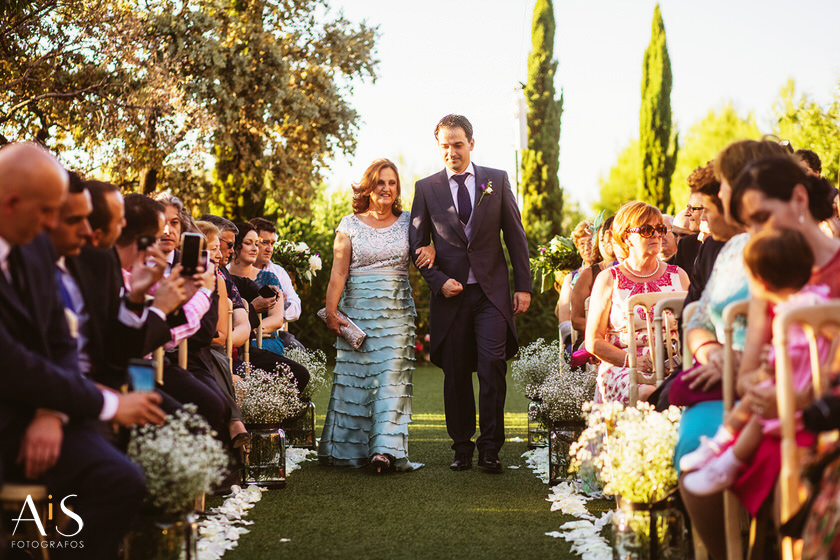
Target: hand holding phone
column 192, row 249
column 267, row 292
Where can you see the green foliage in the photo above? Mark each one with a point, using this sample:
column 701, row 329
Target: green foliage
column 807, row 125
column 706, row 137
column 559, row 255
column 619, row 186
column 542, row 197
column 156, row 93
column 657, row 146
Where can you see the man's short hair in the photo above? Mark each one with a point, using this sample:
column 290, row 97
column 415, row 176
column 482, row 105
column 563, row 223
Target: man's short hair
column 261, row 225
column 455, row 121
column 76, row 183
column 100, row 218
column 222, row 223
column 168, row 199
column 141, row 218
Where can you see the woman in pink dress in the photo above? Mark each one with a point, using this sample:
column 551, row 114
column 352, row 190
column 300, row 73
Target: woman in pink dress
column 637, row 237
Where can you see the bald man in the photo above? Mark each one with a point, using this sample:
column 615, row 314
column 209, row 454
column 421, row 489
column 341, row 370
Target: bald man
column 40, row 371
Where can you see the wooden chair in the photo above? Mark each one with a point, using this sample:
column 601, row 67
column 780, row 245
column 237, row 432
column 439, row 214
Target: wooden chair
column 660, row 325
column 183, row 356
column 229, row 338
column 733, row 512
column 158, row 357
column 687, row 313
column 815, row 321
column 260, row 331
column 12, row 498
column 647, row 302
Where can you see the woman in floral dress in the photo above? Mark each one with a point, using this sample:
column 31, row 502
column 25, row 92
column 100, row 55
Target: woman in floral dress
column 637, row 237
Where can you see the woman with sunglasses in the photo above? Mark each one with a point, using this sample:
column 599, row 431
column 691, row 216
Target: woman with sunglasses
column 637, row 238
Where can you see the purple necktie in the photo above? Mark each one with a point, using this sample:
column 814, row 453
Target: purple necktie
column 464, row 205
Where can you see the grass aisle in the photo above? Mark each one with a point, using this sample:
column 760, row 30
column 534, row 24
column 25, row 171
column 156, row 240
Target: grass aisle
column 430, row 513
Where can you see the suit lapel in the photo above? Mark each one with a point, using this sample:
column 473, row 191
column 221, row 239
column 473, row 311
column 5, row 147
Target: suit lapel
column 10, row 299
column 443, row 195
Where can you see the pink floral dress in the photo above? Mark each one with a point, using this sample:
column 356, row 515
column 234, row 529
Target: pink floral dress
column 613, row 380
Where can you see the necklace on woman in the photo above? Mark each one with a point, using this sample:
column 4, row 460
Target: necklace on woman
column 639, row 274
column 379, row 216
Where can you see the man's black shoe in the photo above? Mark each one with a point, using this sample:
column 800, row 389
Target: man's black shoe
column 461, row 463
column 489, row 463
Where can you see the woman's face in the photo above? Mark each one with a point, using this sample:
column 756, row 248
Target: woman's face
column 646, row 246
column 584, row 247
column 605, row 245
column 250, row 248
column 759, row 212
column 725, row 195
column 384, row 194
column 214, row 248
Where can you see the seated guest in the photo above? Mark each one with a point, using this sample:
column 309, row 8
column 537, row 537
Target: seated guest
column 637, row 233
column 246, row 250
column 41, row 369
column 108, row 217
column 144, row 222
column 582, row 238
column 267, row 233
column 603, row 258
column 668, row 252
column 779, row 264
column 176, row 220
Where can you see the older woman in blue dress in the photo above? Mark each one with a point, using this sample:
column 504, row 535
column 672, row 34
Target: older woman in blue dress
column 370, row 405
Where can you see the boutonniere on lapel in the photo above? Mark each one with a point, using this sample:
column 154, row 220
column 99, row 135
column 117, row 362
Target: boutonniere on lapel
column 486, row 189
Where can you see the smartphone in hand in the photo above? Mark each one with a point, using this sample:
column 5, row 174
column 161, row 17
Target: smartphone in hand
column 192, row 248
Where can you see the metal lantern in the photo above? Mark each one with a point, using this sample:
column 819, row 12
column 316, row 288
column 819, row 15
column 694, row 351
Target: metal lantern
column 300, row 431
column 265, row 456
column 561, row 436
column 537, row 434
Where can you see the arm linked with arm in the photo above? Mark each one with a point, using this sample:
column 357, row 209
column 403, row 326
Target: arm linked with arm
column 420, row 235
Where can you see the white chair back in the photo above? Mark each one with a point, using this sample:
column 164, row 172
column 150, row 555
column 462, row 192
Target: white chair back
column 647, row 302
column 687, row 313
column 663, row 328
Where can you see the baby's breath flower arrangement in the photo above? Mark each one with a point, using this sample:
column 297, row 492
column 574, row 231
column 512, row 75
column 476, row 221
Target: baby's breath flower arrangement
column 564, row 392
column 268, row 397
column 181, row 459
column 297, row 258
column 630, row 449
column 534, row 364
column 315, row 361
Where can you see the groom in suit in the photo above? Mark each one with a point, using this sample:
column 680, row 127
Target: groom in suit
column 464, row 210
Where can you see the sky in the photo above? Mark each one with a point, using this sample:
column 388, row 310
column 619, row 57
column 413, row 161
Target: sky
column 470, row 57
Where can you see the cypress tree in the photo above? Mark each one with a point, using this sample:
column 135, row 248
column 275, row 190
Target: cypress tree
column 542, row 197
column 658, row 150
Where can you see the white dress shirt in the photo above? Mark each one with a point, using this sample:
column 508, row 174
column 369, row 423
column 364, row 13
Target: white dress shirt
column 5, row 249
column 293, row 308
column 453, row 188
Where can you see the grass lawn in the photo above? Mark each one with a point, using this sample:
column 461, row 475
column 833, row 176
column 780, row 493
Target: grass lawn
column 430, row 513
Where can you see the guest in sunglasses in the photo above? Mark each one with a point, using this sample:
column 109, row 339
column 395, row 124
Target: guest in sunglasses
column 637, row 237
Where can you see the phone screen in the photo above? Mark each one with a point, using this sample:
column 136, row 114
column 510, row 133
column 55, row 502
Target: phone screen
column 142, row 374
column 192, row 245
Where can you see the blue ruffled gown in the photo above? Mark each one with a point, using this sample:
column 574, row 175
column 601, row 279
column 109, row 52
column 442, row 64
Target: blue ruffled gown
column 370, row 403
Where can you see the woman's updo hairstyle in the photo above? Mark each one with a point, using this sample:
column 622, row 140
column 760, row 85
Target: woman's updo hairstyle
column 776, row 177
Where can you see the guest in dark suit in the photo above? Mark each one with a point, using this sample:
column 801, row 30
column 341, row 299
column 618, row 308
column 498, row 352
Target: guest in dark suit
column 463, row 209
column 41, row 370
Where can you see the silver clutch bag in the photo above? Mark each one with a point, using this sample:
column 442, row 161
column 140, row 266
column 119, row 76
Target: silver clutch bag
column 351, row 333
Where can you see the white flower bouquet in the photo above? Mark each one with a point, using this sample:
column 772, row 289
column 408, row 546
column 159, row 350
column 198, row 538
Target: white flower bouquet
column 181, row 459
column 297, row 259
column 565, row 391
column 268, row 397
column 630, row 450
column 315, row 361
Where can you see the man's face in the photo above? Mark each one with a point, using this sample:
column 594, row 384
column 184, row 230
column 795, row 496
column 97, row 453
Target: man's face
column 267, row 240
column 669, row 242
column 171, row 236
column 38, row 209
column 72, row 231
column 455, row 148
column 105, row 238
column 227, row 239
column 694, row 210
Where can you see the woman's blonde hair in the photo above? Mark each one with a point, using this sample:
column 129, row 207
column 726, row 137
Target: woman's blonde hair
column 632, row 214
